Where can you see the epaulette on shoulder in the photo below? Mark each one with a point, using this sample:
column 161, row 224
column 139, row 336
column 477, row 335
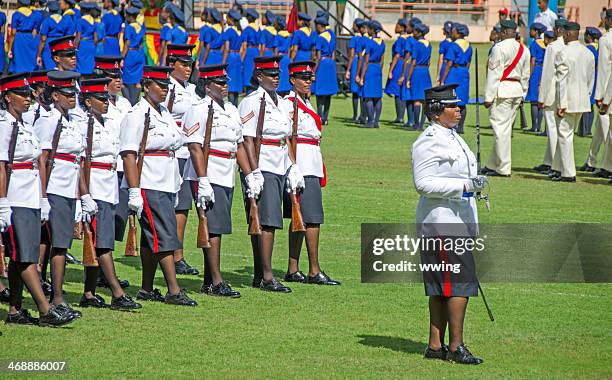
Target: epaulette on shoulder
column 429, row 132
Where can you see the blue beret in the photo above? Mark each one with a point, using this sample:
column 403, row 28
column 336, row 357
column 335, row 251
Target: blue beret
column 375, row 25
column 448, row 25
column 402, row 22
column 270, row 16
column 560, row 23
column 414, row 21
column 53, row 6
column 25, row 2
column 138, row 4
column 234, row 14
column 304, row 16
column 360, row 22
column 422, row 28
column 88, row 5
column 462, row 29
column 215, row 14
column 538, row 27
column 116, row 3
column 497, row 28
column 508, row 24
column 594, row 32
column 71, row 2
column 132, row 11
column 549, row 34
column 252, row 13
column 178, row 14
column 280, row 20
column 322, row 21
column 322, row 13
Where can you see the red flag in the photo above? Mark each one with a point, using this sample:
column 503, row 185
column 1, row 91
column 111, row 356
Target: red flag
column 292, row 21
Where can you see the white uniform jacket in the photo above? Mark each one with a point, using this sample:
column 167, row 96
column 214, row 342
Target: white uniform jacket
column 575, row 76
column 548, row 83
column 516, row 83
column 184, row 96
column 29, row 116
column 604, row 64
column 117, row 112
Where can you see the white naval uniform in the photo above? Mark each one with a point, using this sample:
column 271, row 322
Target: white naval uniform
column 118, row 111
column 184, row 96
column 30, row 114
column 277, row 126
column 64, row 178
column 603, row 90
column 548, row 96
column 506, row 94
column 225, row 136
column 25, row 188
column 575, row 76
column 160, row 173
column 441, row 164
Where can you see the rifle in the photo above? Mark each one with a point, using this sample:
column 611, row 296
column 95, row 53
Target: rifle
column 9, row 171
column 202, row 241
column 297, row 222
column 89, row 250
column 54, row 142
column 130, row 246
column 254, row 225
column 171, row 97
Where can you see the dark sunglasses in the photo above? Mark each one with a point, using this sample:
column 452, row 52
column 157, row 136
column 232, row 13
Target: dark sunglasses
column 219, row 81
column 272, row 75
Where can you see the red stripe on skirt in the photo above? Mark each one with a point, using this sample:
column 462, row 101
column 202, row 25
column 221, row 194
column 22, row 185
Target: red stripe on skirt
column 446, row 283
column 147, row 210
column 12, row 236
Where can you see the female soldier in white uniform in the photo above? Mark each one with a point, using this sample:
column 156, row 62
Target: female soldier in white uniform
column 445, row 176
column 310, row 161
column 214, row 191
column 152, row 196
column 21, row 204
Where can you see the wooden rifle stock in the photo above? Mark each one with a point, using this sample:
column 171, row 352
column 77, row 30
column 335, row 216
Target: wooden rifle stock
column 297, row 222
column 89, row 249
column 9, row 171
column 254, row 224
column 203, row 241
column 171, row 97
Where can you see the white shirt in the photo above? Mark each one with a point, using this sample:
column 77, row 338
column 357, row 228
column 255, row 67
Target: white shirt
column 309, row 157
column 64, row 178
column 548, row 83
column 575, row 74
column 159, row 173
column 105, row 148
column 441, row 163
column 546, row 18
column 118, row 111
column 225, row 136
column 502, row 55
column 24, row 189
column 184, row 96
column 604, row 66
column 28, row 117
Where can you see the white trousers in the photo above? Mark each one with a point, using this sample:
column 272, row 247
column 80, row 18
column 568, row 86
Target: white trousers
column 607, row 157
column 600, row 136
column 552, row 121
column 502, row 115
column 563, row 160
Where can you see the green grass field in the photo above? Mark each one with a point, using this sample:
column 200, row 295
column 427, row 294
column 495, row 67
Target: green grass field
column 355, row 330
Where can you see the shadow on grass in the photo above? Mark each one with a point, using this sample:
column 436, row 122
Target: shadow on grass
column 597, row 181
column 540, row 177
column 393, row 343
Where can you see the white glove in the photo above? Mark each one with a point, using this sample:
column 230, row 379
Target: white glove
column 5, row 214
column 259, row 177
column 295, row 179
column 45, row 209
column 78, row 212
column 135, row 202
column 254, row 188
column 477, row 183
column 176, row 200
column 89, row 207
column 206, row 195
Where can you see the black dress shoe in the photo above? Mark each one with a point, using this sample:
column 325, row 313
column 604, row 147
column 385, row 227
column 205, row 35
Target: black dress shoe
column 564, row 179
column 493, row 173
column 5, row 295
column 441, row 353
column 180, row 299
column 542, row 134
column 463, row 356
column 54, row 318
column 205, row 288
column 274, row 285
column 71, row 259
column 298, row 276
column 223, row 290
column 182, row 267
column 256, row 283
column 586, row 168
column 321, row 279
column 125, row 302
column 553, row 173
column 65, row 309
column 102, row 283
column 22, row 317
column 601, row 173
column 96, row 302
column 154, row 295
column 486, row 171
column 46, row 287
column 542, row 168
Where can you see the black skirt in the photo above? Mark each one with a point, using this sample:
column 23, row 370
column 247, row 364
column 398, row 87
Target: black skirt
column 158, row 222
column 61, row 220
column 184, row 193
column 21, row 239
column 220, row 214
column 103, row 226
column 121, row 210
column 311, row 201
column 455, row 274
column 270, row 200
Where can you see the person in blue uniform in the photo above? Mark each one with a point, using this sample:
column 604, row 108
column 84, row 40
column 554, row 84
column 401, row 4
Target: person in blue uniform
column 178, row 34
column 267, row 35
column 591, row 38
column 112, row 27
column 2, row 34
column 210, row 50
column 457, row 68
column 250, row 35
column 418, row 77
column 402, row 80
column 96, row 13
column 326, row 83
column 283, row 45
column 22, row 43
column 38, row 15
column 86, row 39
column 537, row 50
column 133, row 55
column 67, row 24
column 48, row 33
column 355, row 48
column 442, row 48
column 204, row 30
column 371, row 74
column 395, row 70
column 233, row 49
column 302, row 45
column 165, row 34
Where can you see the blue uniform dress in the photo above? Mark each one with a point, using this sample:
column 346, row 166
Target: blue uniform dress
column 443, row 48
column 283, row 43
column 406, row 93
column 537, row 49
column 48, row 28
column 392, row 87
column 250, row 35
column 356, row 42
column 67, row 24
column 202, row 39
column 2, row 53
column 302, row 39
column 420, row 79
column 133, row 64
column 594, row 48
column 101, row 36
column 178, row 35
column 372, row 83
column 164, row 33
column 460, row 54
column 234, row 68
column 86, row 52
column 326, row 82
column 213, row 39
column 112, row 27
column 25, row 46
column 267, row 37
column 38, row 16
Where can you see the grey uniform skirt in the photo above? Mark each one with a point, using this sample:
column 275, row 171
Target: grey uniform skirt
column 445, row 281
column 220, row 214
column 103, row 226
column 121, row 210
column 270, row 200
column 311, row 201
column 21, row 239
column 61, row 220
column 158, row 222
column 184, row 194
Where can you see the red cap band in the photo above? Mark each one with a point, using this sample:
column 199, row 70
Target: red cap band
column 63, row 46
column 94, row 88
column 300, row 69
column 267, row 65
column 15, row 84
column 186, row 52
column 107, row 65
column 155, row 75
column 212, row 74
column 61, row 83
column 41, row 78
